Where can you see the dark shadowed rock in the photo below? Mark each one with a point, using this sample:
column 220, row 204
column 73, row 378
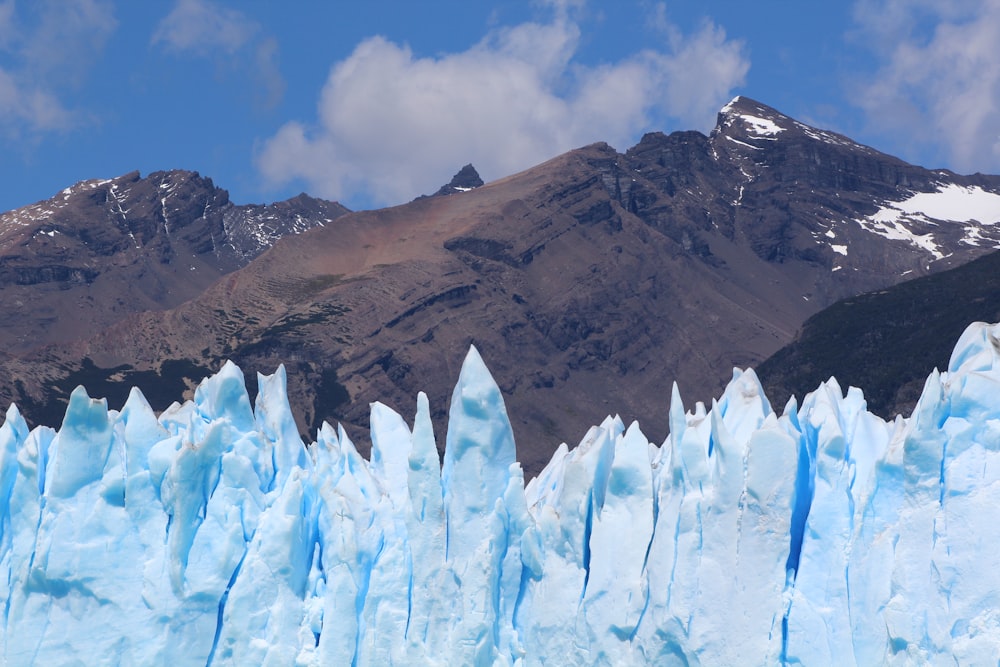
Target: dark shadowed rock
column 466, row 179
column 887, row 342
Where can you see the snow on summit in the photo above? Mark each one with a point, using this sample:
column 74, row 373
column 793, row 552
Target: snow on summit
column 761, row 126
column 213, row 535
column 753, row 116
column 759, row 121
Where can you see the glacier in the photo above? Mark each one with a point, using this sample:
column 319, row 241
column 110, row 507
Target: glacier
column 212, row 534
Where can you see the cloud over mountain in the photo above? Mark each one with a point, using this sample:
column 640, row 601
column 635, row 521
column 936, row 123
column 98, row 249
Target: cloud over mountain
column 391, row 123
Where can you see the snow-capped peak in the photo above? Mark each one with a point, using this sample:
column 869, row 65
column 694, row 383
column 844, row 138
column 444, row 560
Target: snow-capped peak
column 730, row 105
column 744, row 120
column 752, row 118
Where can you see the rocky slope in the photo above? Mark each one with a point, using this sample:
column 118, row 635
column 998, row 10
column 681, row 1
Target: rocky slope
column 100, row 250
column 887, row 341
column 597, row 274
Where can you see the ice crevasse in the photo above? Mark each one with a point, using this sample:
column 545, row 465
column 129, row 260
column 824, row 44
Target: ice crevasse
column 213, row 535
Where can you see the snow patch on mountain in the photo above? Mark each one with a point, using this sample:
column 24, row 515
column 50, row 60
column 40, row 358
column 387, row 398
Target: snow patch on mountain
column 762, row 127
column 891, row 224
column 952, row 202
column 742, row 143
column 916, row 218
column 762, row 122
column 756, row 124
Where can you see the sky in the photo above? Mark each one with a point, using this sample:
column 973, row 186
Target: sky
column 373, row 103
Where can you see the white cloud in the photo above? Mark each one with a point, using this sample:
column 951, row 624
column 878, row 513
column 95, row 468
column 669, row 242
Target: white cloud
column 32, row 109
column 391, row 125
column 200, row 27
column 7, row 28
column 937, row 88
column 206, row 30
column 47, row 49
column 271, row 85
column 68, row 37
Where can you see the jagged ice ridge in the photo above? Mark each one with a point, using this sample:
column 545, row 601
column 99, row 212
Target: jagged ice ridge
column 213, row 535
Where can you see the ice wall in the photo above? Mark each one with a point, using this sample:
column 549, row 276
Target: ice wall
column 214, row 535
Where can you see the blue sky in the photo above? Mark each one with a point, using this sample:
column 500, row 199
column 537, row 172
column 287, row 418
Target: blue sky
column 374, row 103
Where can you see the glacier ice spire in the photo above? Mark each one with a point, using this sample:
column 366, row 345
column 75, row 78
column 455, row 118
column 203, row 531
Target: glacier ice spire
column 214, row 535
column 478, row 472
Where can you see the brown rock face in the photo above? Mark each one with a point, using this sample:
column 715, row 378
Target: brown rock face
column 102, row 250
column 589, row 284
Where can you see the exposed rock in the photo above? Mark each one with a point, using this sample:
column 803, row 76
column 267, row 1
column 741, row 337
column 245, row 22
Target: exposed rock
column 595, row 274
column 466, row 179
column 100, row 250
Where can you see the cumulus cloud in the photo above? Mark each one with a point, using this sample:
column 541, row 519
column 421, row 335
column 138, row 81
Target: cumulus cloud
column 391, row 125
column 45, row 50
column 937, row 87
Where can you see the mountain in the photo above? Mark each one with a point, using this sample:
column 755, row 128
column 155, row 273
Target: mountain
column 212, row 535
column 466, row 179
column 100, row 250
column 588, row 282
column 887, row 341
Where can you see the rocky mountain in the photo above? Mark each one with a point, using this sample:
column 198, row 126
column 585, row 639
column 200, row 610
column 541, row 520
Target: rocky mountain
column 466, row 179
column 596, row 274
column 103, row 249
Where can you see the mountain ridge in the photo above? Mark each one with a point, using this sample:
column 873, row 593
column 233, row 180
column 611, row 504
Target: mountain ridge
column 104, row 248
column 686, row 254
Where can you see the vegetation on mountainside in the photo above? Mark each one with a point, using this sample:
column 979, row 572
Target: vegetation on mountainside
column 886, row 342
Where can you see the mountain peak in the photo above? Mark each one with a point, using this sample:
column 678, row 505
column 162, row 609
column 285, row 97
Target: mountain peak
column 745, row 118
column 466, row 179
column 750, row 124
column 742, row 104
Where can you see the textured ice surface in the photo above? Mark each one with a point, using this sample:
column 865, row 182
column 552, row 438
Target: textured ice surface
column 213, row 535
